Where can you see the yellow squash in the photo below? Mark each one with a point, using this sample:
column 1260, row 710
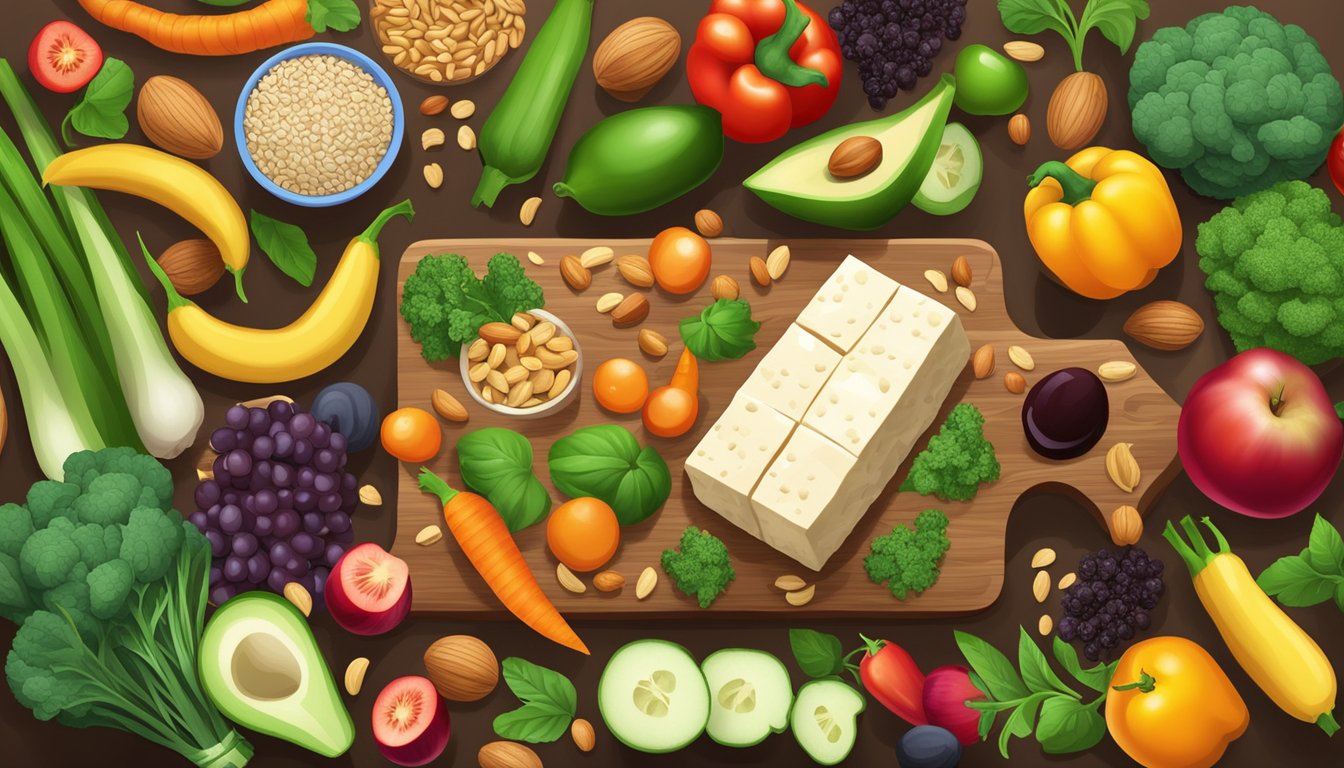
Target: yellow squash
column 308, row 345
column 1103, row 222
column 178, row 185
column 1281, row 658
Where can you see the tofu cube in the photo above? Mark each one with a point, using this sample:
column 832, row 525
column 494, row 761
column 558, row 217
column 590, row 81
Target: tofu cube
column 727, row 463
column 847, row 303
column 803, row 502
column 791, row 374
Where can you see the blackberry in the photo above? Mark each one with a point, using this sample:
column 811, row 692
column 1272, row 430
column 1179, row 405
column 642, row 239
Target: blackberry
column 907, row 33
column 1111, row 601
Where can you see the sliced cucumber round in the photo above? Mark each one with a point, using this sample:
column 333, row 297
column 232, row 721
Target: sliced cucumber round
column 955, row 176
column 653, row 697
column 825, row 720
column 749, row 696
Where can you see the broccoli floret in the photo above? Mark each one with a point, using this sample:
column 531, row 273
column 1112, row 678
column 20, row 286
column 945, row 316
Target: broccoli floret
column 87, row 467
column 16, row 525
column 15, row 604
column 49, row 555
column 108, row 499
column 44, row 643
column 150, row 541
column 1274, row 262
column 1235, row 100
column 48, row 500
column 958, row 458
column 446, row 304
column 109, row 584
column 73, row 599
column 92, row 543
column 907, row 559
column 700, row 568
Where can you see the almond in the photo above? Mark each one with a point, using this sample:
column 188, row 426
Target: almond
column 631, row 311
column 724, row 287
column 466, row 138
column 369, row 496
column 1023, row 50
column 982, row 361
column 1021, row 358
column 708, row 223
column 1014, row 382
column 1045, row 624
column 568, row 580
column 1117, row 370
column 759, row 272
column 177, row 118
column 429, row 535
column 528, row 214
column 609, row 301
column 433, row 105
column 961, row 271
column 967, row 298
column 1040, row 587
column 801, row 597
column 576, row 276
column 448, row 407
column 636, row 270
column 1165, row 325
column 193, row 266
column 433, row 175
column 463, row 109
column 432, row 138
column 1077, row 110
column 777, row 263
column 635, row 56
column 652, row 343
column 507, row 754
column 582, row 732
column 1067, row 580
column 535, row 258
column 500, row 333
column 790, row 583
column 300, row 597
column 1043, row 558
column 596, row 257
column 1019, row 129
column 462, row 667
column 608, row 581
column 1126, row 526
column 937, row 279
column 1123, row 468
column 354, row 675
column 855, row 157
column 648, row 579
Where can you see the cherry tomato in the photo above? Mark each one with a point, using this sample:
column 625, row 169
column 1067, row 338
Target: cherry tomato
column 412, row 435
column 1335, row 161
column 583, row 533
column 670, row 411
column 620, row 385
column 680, row 260
column 64, row 58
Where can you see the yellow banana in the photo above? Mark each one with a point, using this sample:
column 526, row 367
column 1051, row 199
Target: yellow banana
column 178, row 185
column 324, row 333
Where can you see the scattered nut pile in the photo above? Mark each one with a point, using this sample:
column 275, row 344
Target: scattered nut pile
column 448, row 41
column 317, row 125
column 521, row 364
column 797, row 592
column 606, row 581
column 1040, row 586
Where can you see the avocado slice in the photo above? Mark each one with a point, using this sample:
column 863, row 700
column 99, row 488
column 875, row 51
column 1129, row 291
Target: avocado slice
column 261, row 667
column 825, row 720
column 749, row 696
column 955, row 176
column 799, row 183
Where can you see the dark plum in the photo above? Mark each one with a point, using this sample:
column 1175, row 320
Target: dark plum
column 928, row 746
column 1066, row 413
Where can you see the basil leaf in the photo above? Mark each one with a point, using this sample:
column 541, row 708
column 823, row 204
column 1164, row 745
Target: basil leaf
column 1295, row 583
column 1115, row 18
column 1326, row 548
column 1097, row 678
column 723, row 331
column 1020, row 723
column 340, row 15
column 549, row 703
column 985, row 725
column 607, row 463
column 992, row 666
column 1036, row 669
column 101, row 112
column 286, row 246
column 1028, row 17
column 817, row 653
column 497, row 463
column 1067, row 726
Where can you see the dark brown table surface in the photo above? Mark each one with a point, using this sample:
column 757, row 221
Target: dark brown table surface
column 1035, row 303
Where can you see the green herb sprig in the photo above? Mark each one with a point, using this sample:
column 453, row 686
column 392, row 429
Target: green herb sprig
column 1116, row 19
column 724, row 331
column 549, row 703
column 286, row 246
column 1313, row 576
column 101, row 111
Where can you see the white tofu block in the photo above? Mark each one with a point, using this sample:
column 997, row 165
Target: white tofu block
column 805, row 498
column 847, row 303
column 727, row 463
column 791, row 374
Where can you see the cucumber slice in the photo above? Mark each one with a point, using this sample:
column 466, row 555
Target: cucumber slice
column 749, row 696
column 825, row 720
column 955, row 176
column 653, row 697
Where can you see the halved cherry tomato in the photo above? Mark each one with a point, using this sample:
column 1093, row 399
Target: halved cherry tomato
column 64, row 58
column 412, row 435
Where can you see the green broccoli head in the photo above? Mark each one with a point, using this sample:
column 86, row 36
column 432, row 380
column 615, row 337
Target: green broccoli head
column 49, row 555
column 445, row 304
column 108, row 499
column 109, row 584
column 908, row 559
column 1235, row 100
column 87, row 467
column 49, row 499
column 958, row 458
column 16, row 525
column 44, row 643
column 701, row 568
column 1274, row 261
column 150, row 542
column 15, row 603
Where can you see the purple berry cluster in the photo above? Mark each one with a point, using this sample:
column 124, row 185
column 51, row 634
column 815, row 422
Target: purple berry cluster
column 894, row 41
column 1111, row 600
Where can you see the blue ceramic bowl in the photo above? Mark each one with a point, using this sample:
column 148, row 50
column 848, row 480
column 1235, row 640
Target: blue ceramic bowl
column 358, row 59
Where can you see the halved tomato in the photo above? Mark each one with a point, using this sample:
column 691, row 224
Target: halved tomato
column 63, row 57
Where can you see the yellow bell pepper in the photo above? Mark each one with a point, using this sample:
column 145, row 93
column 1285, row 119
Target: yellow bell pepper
column 1172, row 706
column 1103, row 222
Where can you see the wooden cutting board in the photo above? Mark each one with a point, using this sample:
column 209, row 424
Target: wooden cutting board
column 972, row 571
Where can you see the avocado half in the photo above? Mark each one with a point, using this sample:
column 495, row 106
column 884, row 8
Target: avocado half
column 261, row 667
column 799, row 183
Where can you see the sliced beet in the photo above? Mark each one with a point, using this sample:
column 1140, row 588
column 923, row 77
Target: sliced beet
column 369, row 590
column 410, row 721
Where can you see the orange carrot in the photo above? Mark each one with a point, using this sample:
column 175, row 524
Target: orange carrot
column 487, row 543
column 274, row 22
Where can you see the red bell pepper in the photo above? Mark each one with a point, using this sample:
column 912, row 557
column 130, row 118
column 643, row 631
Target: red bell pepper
column 765, row 65
column 894, row 679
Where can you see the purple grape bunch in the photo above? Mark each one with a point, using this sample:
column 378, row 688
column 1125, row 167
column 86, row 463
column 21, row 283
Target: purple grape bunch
column 894, row 41
column 1111, row 601
column 278, row 508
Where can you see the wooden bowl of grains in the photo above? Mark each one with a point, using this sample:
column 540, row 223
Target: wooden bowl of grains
column 447, row 42
column 319, row 124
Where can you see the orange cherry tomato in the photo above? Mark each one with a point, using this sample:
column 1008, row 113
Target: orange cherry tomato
column 620, row 385
column 412, row 435
column 680, row 260
column 670, row 412
column 583, row 533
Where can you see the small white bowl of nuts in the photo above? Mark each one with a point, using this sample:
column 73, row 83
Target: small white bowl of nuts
column 527, row 368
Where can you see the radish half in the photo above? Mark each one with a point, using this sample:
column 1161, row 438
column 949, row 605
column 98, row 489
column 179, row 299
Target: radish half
column 410, row 721
column 369, row 591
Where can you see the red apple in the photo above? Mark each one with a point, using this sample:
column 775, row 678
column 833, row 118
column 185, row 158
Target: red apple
column 1259, row 435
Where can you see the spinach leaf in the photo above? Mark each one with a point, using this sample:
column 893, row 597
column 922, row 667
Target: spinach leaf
column 497, row 463
column 549, row 703
column 101, row 112
column 817, row 653
column 607, row 463
column 286, row 246
column 1068, row 726
column 724, row 331
column 340, row 15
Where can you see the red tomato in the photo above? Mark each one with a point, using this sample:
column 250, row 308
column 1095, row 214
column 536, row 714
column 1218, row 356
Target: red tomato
column 1335, row 161
column 63, row 57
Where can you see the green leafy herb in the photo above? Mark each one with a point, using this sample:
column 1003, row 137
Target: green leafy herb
column 724, row 331
column 907, row 559
column 700, row 568
column 549, row 703
column 607, row 463
column 101, row 112
column 340, row 15
column 958, row 458
column 446, row 304
column 1313, row 576
column 1116, row 19
column 817, row 653
column 1037, row 699
column 497, row 463
column 286, row 246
